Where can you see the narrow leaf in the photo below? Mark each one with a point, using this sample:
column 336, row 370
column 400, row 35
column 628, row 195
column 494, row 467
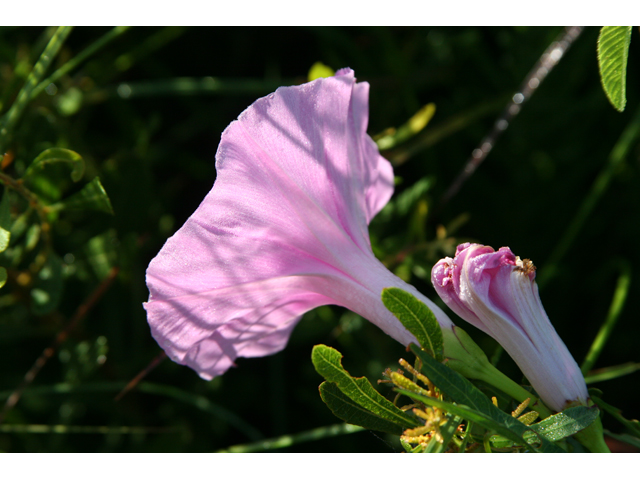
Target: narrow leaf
column 609, row 373
column 328, row 363
column 447, row 431
column 463, row 392
column 58, row 155
column 417, row 318
column 346, row 409
column 613, row 54
column 515, row 431
column 566, row 423
column 616, row 413
column 3, row 276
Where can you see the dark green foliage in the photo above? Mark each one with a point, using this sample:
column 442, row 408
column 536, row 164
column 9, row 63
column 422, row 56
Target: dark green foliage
column 150, row 145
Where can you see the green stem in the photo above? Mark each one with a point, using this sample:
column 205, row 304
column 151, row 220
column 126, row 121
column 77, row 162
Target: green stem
column 24, row 96
column 78, row 59
column 599, row 187
column 289, row 440
column 619, row 297
column 102, row 430
column 592, row 437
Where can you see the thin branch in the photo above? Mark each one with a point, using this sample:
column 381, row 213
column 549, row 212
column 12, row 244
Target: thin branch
column 134, row 382
column 48, row 352
column 541, row 69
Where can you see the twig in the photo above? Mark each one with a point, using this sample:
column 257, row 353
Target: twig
column 48, row 352
column 132, row 384
column 541, row 69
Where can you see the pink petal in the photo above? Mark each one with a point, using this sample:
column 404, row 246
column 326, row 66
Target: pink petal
column 283, row 230
column 493, row 292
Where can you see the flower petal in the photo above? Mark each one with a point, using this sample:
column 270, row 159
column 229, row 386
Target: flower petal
column 496, row 292
column 283, row 230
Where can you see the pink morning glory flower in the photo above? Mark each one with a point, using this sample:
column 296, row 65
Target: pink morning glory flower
column 283, row 230
column 497, row 292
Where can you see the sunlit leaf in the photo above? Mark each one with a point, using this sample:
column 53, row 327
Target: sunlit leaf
column 3, row 276
column 613, row 54
column 475, row 405
column 320, row 70
column 513, row 432
column 566, row 423
column 346, row 409
column 417, row 318
column 328, row 363
column 414, row 125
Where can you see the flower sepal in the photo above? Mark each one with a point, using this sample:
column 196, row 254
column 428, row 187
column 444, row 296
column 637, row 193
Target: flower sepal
column 592, row 437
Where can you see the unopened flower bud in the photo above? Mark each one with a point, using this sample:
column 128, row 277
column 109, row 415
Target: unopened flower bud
column 497, row 293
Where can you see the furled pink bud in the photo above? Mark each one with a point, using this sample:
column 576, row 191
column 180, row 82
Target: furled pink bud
column 497, row 293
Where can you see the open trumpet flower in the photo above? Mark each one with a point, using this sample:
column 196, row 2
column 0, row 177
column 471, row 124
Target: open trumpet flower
column 497, row 293
column 283, row 230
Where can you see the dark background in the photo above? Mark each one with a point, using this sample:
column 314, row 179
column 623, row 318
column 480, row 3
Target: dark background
column 154, row 153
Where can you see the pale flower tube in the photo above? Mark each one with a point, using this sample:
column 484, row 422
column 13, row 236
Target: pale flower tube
column 283, row 230
column 497, row 293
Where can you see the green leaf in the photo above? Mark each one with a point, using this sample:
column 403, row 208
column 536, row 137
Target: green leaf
column 3, row 276
column 609, row 373
column 58, row 155
column 5, row 220
column 476, row 406
column 346, row 409
column 91, row 197
column 624, row 437
column 413, row 126
column 319, row 70
column 515, row 431
column 47, row 289
column 417, row 318
column 616, row 413
column 328, row 363
column 566, row 423
column 102, row 253
column 447, row 431
column 613, row 54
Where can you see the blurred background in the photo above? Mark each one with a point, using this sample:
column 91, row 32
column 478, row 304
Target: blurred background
column 146, row 110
